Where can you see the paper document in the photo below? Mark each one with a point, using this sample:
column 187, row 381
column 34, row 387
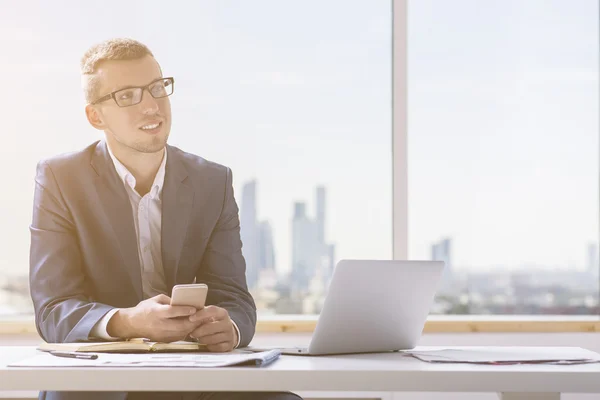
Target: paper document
column 193, row 360
column 508, row 355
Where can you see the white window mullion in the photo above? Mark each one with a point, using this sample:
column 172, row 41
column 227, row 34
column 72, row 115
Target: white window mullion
column 399, row 130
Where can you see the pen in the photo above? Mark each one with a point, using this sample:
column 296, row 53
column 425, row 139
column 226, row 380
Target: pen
column 69, row 354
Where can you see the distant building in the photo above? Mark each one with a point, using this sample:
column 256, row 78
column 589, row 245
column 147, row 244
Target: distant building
column 257, row 237
column 593, row 264
column 266, row 250
column 442, row 251
column 312, row 256
column 305, row 255
column 320, row 214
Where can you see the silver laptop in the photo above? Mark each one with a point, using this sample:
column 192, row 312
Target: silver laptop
column 373, row 306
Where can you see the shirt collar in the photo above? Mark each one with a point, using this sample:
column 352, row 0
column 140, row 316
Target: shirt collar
column 128, row 178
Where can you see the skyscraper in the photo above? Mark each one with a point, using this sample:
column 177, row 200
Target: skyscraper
column 320, row 215
column 311, row 254
column 305, row 254
column 331, row 253
column 266, row 251
column 327, row 251
column 442, row 251
column 593, row 264
column 257, row 237
column 249, row 233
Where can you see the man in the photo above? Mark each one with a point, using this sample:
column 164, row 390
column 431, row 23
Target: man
column 118, row 224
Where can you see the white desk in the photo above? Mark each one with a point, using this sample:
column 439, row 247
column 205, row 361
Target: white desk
column 388, row 372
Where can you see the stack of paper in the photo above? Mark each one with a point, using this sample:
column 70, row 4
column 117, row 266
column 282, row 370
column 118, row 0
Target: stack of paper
column 194, row 360
column 508, row 355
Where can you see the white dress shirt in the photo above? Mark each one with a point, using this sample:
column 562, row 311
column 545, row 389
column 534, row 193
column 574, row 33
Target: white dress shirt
column 147, row 216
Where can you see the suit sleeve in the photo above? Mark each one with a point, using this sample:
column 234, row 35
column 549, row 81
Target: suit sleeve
column 223, row 269
column 63, row 310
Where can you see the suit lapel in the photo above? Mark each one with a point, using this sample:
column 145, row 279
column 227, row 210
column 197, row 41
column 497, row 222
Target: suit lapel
column 117, row 209
column 177, row 201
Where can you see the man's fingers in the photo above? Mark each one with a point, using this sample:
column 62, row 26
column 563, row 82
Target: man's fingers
column 211, row 328
column 208, row 312
column 180, row 325
column 215, row 339
column 169, row 311
column 220, row 347
column 162, row 299
column 176, row 326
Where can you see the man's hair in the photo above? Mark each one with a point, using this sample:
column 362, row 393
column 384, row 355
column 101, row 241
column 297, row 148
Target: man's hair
column 112, row 49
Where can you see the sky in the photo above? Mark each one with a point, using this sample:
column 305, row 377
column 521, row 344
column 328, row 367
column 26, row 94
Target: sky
column 292, row 94
column 503, row 131
column 503, row 115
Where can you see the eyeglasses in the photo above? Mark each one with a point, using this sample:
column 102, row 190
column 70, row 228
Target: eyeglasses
column 132, row 95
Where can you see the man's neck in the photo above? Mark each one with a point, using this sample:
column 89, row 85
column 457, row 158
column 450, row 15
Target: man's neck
column 143, row 166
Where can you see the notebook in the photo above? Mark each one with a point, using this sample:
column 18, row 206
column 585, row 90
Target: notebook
column 138, row 345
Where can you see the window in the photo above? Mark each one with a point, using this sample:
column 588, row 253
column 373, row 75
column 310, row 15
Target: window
column 503, row 153
column 295, row 97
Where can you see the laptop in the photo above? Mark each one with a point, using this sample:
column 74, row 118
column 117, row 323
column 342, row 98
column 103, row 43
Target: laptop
column 372, row 306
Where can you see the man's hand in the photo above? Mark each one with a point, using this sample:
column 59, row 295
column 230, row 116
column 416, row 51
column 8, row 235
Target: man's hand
column 215, row 329
column 154, row 319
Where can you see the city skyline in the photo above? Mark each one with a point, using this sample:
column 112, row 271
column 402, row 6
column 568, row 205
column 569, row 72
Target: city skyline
column 311, row 253
column 491, row 292
column 303, row 289
column 311, row 230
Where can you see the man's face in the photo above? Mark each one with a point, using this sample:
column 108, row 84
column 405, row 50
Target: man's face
column 123, row 125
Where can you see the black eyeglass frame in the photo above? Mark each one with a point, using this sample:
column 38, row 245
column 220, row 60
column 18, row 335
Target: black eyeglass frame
column 113, row 94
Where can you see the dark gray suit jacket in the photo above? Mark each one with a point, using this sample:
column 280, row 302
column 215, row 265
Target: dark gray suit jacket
column 84, row 258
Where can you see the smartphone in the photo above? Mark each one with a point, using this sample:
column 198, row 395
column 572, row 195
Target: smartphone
column 193, row 294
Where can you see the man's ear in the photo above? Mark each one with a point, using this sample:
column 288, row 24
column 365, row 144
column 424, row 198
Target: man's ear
column 94, row 117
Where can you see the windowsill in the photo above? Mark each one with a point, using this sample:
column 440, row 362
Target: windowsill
column 458, row 323
column 434, row 324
